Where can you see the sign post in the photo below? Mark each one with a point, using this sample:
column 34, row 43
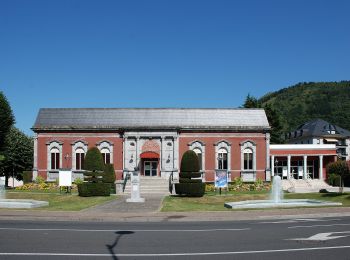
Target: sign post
column 221, row 180
column 65, row 180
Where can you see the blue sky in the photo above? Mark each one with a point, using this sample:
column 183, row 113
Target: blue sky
column 178, row 53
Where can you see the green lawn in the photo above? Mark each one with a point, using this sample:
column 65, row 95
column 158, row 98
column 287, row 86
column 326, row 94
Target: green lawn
column 60, row 202
column 215, row 202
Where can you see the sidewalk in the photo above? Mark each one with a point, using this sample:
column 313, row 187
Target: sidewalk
column 121, row 211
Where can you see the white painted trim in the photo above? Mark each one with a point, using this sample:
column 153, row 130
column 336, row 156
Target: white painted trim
column 302, row 146
column 76, row 145
column 51, row 145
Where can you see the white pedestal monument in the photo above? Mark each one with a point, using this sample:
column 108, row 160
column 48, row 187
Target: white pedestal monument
column 135, row 188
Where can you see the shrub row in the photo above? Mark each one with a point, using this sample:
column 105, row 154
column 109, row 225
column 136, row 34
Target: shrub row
column 190, row 189
column 87, row 189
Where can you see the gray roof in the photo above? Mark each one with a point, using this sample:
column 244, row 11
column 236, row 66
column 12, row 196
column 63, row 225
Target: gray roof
column 319, row 127
column 150, row 118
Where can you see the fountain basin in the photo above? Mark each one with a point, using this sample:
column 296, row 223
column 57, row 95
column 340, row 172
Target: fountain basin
column 22, row 203
column 288, row 203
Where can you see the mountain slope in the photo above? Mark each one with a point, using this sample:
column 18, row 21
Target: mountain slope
column 297, row 104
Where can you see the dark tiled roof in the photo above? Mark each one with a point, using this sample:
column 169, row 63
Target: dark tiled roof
column 149, row 118
column 319, row 127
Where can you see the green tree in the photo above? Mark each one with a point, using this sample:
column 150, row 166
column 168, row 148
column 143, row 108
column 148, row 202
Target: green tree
column 18, row 154
column 6, row 121
column 93, row 160
column 189, row 184
column 93, row 177
column 340, row 168
column 272, row 115
column 251, row 102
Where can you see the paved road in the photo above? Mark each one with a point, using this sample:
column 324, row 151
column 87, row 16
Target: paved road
column 323, row 238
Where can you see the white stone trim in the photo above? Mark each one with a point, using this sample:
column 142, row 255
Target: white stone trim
column 108, row 145
column 223, row 144
column 251, row 146
column 75, row 146
column 51, row 145
column 35, row 158
column 201, row 146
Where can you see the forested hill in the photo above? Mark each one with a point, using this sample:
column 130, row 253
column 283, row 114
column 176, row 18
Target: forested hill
column 297, row 104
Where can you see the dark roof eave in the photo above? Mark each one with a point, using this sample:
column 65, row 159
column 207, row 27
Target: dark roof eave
column 109, row 128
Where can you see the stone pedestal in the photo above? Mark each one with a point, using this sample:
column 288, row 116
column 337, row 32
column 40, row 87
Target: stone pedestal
column 135, row 188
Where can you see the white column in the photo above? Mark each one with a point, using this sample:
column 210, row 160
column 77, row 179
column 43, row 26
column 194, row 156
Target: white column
column 288, row 167
column 272, row 165
column 137, row 159
column 35, row 159
column 320, row 173
column 176, row 151
column 305, row 167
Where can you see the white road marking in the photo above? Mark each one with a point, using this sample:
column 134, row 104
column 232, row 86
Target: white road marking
column 323, row 236
column 178, row 254
column 125, row 230
column 297, row 220
column 330, row 225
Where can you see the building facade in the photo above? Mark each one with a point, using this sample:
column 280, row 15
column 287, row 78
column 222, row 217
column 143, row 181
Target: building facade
column 319, row 132
column 153, row 141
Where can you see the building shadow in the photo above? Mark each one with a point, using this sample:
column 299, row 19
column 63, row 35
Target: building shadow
column 112, row 248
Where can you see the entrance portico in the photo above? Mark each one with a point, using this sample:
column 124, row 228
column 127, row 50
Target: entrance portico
column 301, row 161
column 152, row 153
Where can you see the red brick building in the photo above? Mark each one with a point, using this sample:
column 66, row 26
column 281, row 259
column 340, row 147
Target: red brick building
column 153, row 140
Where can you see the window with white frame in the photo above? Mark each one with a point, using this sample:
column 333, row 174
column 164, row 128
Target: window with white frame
column 248, row 159
column 222, row 159
column 106, row 149
column 106, row 154
column 79, row 158
column 55, row 158
column 199, row 155
column 248, row 156
column 199, row 148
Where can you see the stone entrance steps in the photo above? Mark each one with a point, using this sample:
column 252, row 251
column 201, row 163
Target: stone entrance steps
column 150, row 185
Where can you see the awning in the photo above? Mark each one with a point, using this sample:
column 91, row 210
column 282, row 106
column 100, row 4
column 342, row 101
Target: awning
column 149, row 155
column 331, row 140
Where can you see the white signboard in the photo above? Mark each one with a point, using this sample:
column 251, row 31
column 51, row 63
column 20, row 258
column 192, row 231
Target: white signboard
column 65, row 178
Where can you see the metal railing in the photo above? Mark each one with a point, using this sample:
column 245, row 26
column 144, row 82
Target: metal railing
column 127, row 177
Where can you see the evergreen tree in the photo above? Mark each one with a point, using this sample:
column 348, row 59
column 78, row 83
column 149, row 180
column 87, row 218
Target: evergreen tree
column 272, row 116
column 18, row 154
column 6, row 121
column 251, row 102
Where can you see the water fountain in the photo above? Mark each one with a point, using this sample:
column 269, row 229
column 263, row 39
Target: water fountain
column 276, row 200
column 17, row 203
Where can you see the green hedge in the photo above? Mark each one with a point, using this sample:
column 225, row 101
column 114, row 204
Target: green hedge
column 94, row 189
column 190, row 174
column 186, row 180
column 190, row 189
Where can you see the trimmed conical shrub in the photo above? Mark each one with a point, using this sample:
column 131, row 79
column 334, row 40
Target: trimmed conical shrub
column 109, row 176
column 93, row 182
column 93, row 160
column 188, row 185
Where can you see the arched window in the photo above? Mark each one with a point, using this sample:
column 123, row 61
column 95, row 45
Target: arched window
column 106, row 149
column 54, row 155
column 79, row 158
column 55, row 158
column 248, row 159
column 199, row 148
column 106, row 155
column 199, row 155
column 222, row 159
column 248, row 156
